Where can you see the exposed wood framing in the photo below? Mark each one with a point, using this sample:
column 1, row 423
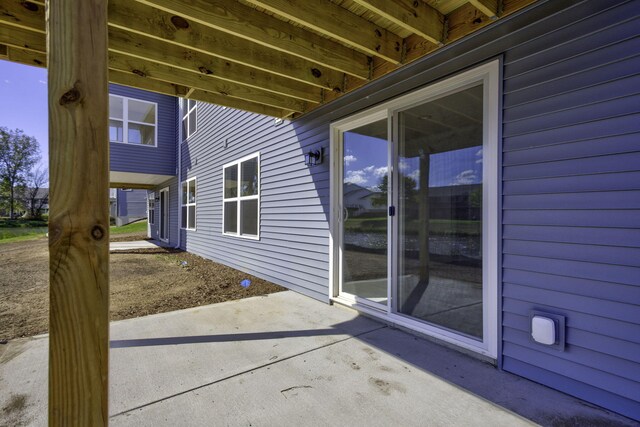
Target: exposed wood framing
column 268, row 56
column 132, row 186
column 414, row 16
column 248, row 23
column 205, row 82
column 79, row 213
column 192, row 35
column 334, row 21
column 488, row 7
column 187, row 59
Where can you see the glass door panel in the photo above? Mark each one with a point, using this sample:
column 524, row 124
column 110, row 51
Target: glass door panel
column 365, row 186
column 440, row 190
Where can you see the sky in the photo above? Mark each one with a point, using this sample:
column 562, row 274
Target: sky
column 365, row 163
column 23, row 96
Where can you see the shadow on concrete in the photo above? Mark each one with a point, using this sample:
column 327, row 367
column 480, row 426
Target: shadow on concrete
column 530, row 400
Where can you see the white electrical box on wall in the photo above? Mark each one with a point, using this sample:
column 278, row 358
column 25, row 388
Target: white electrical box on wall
column 543, row 330
column 547, row 329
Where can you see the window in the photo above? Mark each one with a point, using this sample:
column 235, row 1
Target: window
column 189, row 125
column 241, row 197
column 132, row 121
column 189, row 204
column 151, row 208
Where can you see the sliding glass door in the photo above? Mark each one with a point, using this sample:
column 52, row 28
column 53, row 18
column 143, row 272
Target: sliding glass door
column 364, row 212
column 440, row 212
column 415, row 209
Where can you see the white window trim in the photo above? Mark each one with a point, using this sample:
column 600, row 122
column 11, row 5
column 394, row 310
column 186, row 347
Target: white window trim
column 239, row 198
column 125, row 122
column 489, row 75
column 185, row 114
column 188, row 204
column 151, row 219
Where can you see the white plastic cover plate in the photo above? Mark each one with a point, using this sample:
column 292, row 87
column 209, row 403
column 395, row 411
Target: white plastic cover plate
column 543, row 330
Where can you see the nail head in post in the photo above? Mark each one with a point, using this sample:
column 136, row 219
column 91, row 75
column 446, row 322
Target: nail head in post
column 313, row 157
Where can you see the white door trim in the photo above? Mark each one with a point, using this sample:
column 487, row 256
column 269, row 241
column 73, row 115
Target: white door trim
column 489, row 75
column 164, row 215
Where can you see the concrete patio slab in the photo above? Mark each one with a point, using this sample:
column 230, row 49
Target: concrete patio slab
column 285, row 359
column 137, row 244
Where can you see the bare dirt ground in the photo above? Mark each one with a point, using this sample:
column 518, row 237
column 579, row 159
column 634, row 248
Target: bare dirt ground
column 142, row 282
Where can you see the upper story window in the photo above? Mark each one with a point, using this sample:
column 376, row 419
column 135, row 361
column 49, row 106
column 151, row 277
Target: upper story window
column 132, row 121
column 189, row 204
column 241, row 197
column 189, row 117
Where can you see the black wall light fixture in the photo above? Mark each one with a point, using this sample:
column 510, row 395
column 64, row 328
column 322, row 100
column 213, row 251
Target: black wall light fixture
column 313, row 157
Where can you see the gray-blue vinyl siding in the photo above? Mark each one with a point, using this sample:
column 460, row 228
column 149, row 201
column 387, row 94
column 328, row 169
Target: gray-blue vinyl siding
column 571, row 205
column 293, row 248
column 174, row 230
column 160, row 160
column 570, row 194
column 131, row 205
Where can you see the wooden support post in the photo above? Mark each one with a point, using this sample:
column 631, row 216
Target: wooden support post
column 79, row 217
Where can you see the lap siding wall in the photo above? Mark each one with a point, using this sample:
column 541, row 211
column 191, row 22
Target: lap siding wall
column 570, row 188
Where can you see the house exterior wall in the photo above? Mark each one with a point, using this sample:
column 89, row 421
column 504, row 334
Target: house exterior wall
column 174, row 230
column 570, row 189
column 571, row 206
column 293, row 249
column 159, row 160
column 130, row 206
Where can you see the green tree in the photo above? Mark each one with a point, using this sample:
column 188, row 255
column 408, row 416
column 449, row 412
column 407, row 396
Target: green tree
column 18, row 154
column 409, row 190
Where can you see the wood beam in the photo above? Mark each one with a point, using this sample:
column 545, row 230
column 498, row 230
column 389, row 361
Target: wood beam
column 225, row 101
column 336, row 22
column 446, row 6
column 125, row 185
column 192, row 35
column 414, row 16
column 488, row 7
column 79, row 213
column 27, row 57
column 250, row 24
column 133, row 80
column 31, row 33
column 23, row 14
column 173, row 55
column 22, row 38
column 4, row 51
column 209, row 83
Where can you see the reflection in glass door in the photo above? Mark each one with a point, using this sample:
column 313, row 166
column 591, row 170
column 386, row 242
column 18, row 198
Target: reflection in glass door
column 440, row 191
column 365, row 184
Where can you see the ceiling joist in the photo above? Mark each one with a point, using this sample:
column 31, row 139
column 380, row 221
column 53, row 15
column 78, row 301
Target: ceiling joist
column 338, row 23
column 281, row 58
column 248, row 23
column 173, row 29
column 415, row 16
column 488, row 7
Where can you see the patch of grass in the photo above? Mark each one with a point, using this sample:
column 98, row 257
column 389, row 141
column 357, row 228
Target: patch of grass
column 18, row 234
column 15, row 230
column 22, row 223
column 135, row 227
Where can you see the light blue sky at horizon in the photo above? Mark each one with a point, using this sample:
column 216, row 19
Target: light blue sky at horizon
column 365, row 163
column 23, row 91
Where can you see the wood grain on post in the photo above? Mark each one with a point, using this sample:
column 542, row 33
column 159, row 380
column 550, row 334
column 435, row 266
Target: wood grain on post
column 79, row 217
